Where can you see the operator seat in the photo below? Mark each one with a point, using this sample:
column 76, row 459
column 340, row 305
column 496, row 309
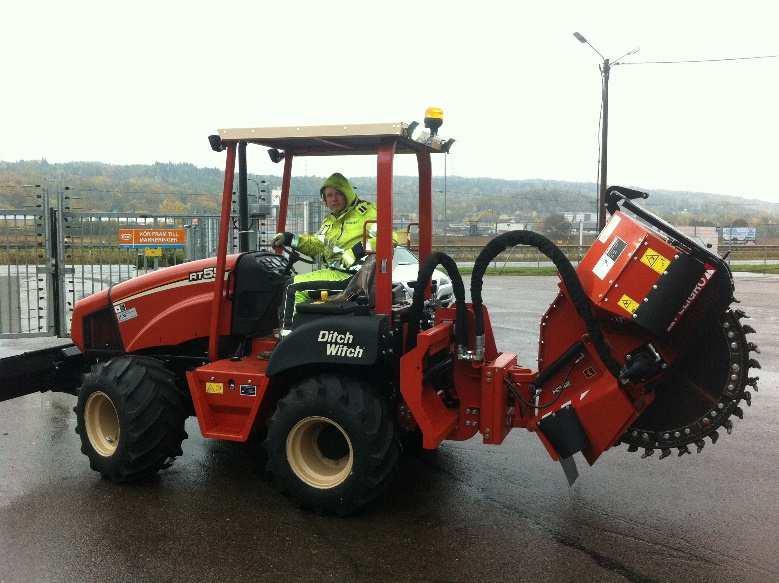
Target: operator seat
column 357, row 298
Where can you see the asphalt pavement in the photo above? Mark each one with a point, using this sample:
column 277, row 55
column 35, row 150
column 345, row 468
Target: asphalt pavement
column 467, row 512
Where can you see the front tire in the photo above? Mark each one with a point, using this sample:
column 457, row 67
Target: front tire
column 130, row 417
column 331, row 444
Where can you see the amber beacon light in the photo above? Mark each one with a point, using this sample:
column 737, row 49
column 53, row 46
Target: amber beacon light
column 434, row 118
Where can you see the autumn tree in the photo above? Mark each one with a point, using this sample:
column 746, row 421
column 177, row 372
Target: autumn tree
column 556, row 227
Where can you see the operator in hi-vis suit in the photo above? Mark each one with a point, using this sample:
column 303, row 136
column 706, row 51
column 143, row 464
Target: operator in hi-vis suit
column 339, row 241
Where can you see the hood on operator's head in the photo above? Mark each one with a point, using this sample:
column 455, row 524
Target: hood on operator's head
column 341, row 184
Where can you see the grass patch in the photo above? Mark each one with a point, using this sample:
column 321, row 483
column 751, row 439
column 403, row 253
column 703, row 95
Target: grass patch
column 513, row 270
column 756, row 268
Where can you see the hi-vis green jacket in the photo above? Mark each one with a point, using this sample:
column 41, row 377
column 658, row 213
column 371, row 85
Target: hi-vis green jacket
column 339, row 239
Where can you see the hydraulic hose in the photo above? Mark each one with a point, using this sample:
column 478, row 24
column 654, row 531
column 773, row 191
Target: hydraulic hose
column 567, row 274
column 417, row 304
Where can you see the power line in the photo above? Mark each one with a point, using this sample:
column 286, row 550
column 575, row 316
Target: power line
column 697, row 60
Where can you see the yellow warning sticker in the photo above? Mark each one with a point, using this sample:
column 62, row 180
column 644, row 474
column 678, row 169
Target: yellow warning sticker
column 628, row 303
column 215, row 388
column 656, row 261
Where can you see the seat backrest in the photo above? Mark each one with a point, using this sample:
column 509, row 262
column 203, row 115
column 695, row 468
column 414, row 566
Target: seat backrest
column 362, row 285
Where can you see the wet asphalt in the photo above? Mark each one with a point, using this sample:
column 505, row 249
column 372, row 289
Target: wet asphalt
column 467, row 512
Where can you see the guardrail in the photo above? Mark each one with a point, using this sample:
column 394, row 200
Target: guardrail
column 735, row 253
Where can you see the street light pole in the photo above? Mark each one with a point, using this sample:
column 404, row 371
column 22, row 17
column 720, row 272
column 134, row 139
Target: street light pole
column 604, row 147
column 446, row 219
column 605, row 69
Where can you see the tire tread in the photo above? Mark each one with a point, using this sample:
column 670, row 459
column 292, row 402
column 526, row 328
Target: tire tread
column 152, row 413
column 366, row 411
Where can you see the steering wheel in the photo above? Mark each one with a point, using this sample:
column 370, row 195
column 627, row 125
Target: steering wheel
column 293, row 256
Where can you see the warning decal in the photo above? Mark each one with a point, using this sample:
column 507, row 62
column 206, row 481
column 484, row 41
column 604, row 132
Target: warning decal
column 248, row 390
column 215, row 388
column 123, row 314
column 656, row 261
column 628, row 303
column 608, row 229
column 610, row 257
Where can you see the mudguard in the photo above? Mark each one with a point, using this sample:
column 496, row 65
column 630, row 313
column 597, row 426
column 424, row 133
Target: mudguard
column 355, row 340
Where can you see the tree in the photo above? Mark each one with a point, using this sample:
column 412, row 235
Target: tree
column 556, row 227
column 172, row 206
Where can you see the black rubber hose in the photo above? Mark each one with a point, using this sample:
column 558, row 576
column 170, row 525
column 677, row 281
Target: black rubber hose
column 426, row 270
column 567, row 274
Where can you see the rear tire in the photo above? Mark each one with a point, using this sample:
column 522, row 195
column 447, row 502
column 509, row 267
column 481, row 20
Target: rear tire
column 130, row 417
column 331, row 444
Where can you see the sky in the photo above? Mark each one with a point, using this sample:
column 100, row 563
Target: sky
column 139, row 82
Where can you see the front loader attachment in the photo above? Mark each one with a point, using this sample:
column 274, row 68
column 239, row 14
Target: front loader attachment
column 50, row 369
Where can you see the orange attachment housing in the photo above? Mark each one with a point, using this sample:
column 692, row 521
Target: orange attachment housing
column 227, row 393
column 623, row 264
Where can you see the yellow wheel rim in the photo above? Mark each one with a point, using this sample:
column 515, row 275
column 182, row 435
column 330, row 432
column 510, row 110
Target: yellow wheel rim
column 102, row 423
column 320, row 452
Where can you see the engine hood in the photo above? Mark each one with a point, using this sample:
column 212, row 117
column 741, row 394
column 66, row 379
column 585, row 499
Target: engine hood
column 185, row 274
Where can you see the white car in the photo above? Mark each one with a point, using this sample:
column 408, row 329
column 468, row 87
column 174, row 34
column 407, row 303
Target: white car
column 405, row 269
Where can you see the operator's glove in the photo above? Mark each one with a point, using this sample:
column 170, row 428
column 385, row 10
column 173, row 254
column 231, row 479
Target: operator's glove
column 351, row 256
column 284, row 240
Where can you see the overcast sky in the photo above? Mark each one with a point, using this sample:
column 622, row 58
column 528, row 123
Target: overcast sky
column 138, row 82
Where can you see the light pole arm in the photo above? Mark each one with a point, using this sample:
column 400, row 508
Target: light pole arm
column 581, row 39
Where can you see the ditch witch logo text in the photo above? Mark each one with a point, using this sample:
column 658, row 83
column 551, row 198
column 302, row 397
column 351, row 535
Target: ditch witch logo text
column 340, row 344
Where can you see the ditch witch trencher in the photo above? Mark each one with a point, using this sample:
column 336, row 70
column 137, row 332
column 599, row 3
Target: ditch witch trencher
column 640, row 346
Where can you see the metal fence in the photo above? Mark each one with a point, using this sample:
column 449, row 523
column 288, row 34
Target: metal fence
column 734, row 255
column 52, row 255
column 24, row 266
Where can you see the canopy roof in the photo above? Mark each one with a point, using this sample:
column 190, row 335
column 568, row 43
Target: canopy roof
column 335, row 140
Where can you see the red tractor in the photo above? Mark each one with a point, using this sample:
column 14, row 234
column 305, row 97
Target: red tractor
column 640, row 346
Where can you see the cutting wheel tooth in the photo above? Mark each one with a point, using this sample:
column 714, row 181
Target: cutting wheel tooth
column 738, row 312
column 738, row 412
column 664, row 453
column 748, row 398
column 683, row 450
column 747, row 329
column 753, row 347
column 647, row 453
column 728, row 425
column 753, row 363
column 752, row 381
column 632, row 448
column 714, row 436
column 699, row 444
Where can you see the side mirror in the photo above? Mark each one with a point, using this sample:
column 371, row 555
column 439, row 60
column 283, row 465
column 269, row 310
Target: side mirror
column 216, row 143
column 275, row 156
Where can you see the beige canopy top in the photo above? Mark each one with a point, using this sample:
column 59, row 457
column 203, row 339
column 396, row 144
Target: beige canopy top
column 334, row 140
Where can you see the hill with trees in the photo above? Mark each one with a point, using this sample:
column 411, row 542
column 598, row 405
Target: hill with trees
column 181, row 187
